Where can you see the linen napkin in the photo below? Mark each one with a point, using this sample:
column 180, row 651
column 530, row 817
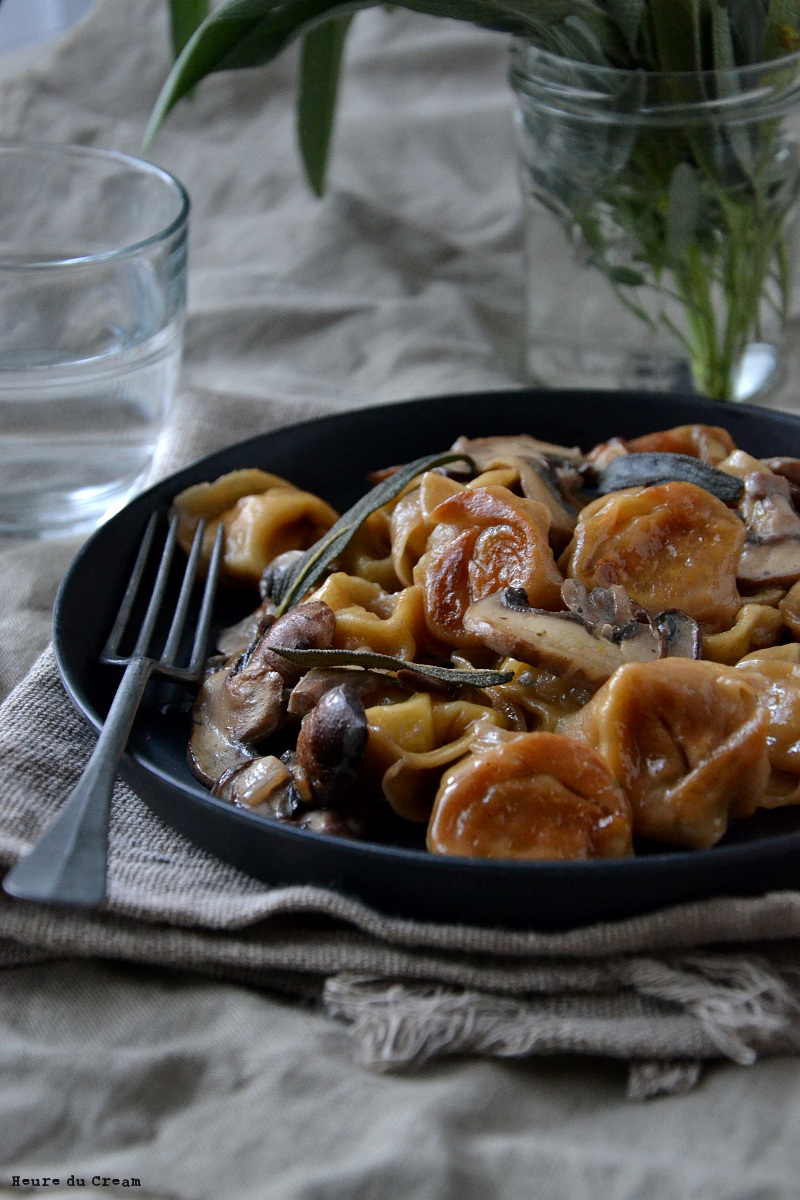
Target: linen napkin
column 717, row 979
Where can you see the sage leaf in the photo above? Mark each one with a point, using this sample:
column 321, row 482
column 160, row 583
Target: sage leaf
column 628, row 16
column 320, row 64
column 250, row 33
column 683, row 214
column 292, row 584
column 676, row 34
column 185, row 17
column 655, row 466
column 626, row 276
column 385, row 662
column 748, row 23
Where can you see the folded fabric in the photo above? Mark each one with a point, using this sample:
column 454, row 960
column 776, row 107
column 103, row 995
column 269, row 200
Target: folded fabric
column 667, row 990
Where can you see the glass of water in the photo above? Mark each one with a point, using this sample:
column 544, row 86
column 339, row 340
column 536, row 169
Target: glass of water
column 92, row 302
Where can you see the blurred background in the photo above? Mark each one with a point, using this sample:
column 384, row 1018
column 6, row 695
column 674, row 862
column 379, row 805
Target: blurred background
column 27, row 27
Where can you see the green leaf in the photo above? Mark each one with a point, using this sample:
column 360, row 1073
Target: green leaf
column 626, row 276
column 748, row 21
column 320, row 64
column 366, row 658
column 628, row 16
column 185, row 17
column 250, row 33
column 676, row 34
column 683, row 213
column 295, row 582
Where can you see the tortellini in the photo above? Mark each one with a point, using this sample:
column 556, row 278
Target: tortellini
column 484, row 539
column 673, row 545
column 411, row 742
column 263, row 516
column 532, row 795
column 687, row 741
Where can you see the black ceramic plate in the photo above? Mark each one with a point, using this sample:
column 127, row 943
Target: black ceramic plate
column 332, row 457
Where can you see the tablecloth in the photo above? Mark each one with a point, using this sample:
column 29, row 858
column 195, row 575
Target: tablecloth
column 406, row 280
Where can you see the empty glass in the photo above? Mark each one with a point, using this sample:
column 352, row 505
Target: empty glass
column 92, row 302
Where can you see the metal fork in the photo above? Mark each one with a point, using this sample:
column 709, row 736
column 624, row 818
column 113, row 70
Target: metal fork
column 68, row 866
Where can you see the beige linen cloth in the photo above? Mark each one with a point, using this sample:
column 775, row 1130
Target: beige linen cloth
column 150, row 1040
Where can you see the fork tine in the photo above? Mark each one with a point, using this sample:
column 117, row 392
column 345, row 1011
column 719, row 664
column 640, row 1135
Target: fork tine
column 160, row 587
column 111, row 648
column 204, row 619
column 176, row 628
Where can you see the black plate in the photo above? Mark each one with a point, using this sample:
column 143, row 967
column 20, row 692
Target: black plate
column 332, row 457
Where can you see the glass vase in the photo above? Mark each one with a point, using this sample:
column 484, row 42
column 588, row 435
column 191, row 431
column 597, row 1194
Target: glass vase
column 661, row 230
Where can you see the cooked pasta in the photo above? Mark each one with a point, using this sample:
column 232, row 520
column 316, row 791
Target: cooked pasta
column 535, row 652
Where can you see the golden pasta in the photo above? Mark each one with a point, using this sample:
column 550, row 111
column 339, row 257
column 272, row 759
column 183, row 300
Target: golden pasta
column 441, row 668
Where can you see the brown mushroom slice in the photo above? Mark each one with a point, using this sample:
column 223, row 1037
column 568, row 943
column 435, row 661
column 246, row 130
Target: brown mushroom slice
column 484, row 451
column 330, row 747
column 687, row 741
column 263, row 785
column 309, row 626
column 531, row 796
column 235, row 639
column 213, row 748
column 771, row 553
column 673, row 545
column 777, row 683
column 557, row 642
column 371, row 686
column 682, row 637
column 485, row 538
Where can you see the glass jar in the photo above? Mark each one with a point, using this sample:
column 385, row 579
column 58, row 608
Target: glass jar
column 661, row 231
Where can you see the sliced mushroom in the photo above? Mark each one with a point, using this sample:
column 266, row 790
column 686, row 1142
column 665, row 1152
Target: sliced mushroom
column 485, row 450
column 331, row 823
column 371, row 686
column 212, row 750
column 607, row 610
column 264, row 785
column 330, row 747
column 559, row 642
column 310, row 626
column 236, row 638
column 682, row 637
column 790, row 469
column 276, row 570
column 771, row 551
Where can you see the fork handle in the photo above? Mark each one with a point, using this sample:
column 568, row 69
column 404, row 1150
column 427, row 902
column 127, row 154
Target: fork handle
column 68, row 865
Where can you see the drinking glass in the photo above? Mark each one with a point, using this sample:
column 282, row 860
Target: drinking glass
column 92, row 303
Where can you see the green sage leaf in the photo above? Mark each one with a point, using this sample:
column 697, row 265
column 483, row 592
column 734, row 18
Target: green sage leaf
column 626, row 276
column 676, row 34
column 320, row 65
column 683, row 214
column 295, row 582
column 250, row 33
column 385, row 662
column 185, row 17
column 628, row 15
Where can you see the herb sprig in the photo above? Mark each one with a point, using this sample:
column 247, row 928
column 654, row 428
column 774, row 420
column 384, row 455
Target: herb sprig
column 291, row 585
